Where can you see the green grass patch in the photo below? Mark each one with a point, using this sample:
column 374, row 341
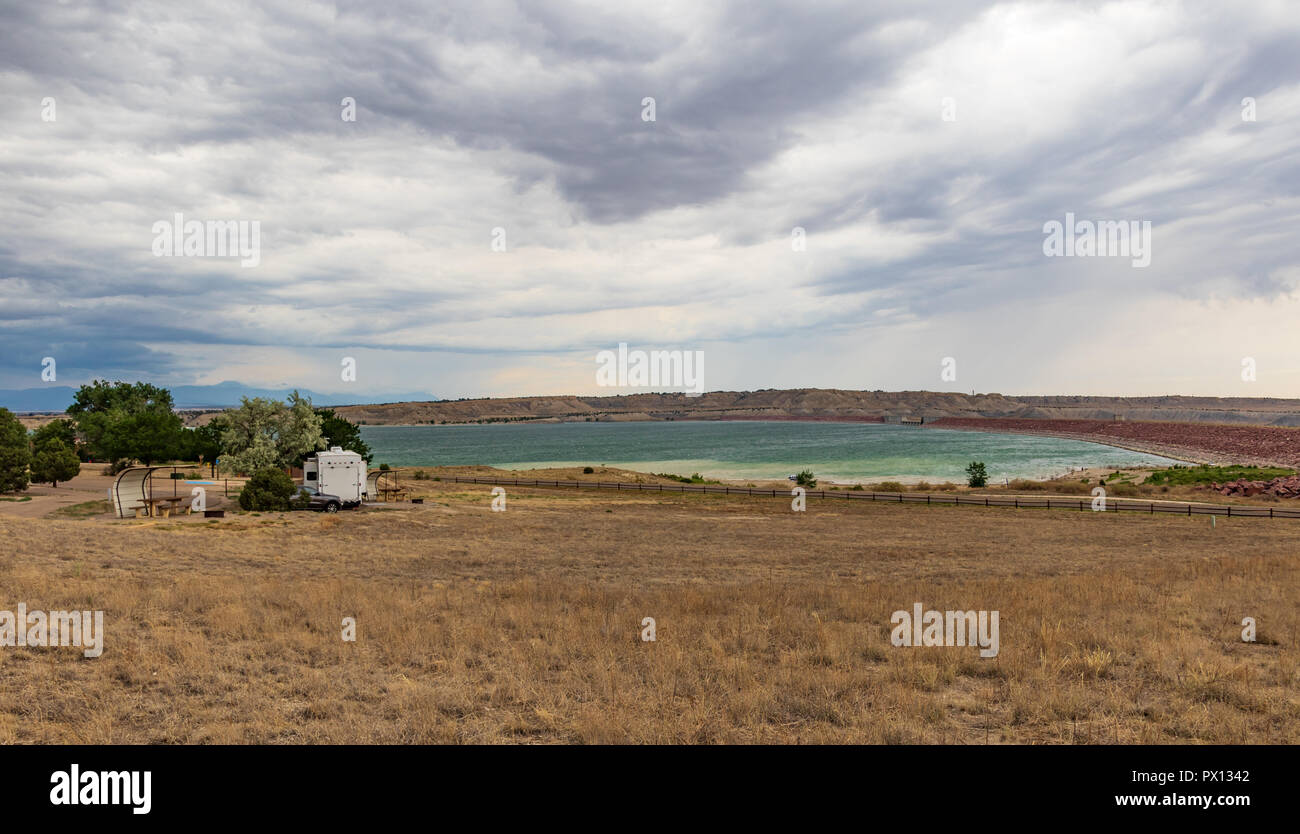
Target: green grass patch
column 86, row 509
column 1188, row 475
column 17, row 499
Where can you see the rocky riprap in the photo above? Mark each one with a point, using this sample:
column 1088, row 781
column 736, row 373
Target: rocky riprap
column 1287, row 486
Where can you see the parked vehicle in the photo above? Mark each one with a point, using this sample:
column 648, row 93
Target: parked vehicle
column 339, row 473
column 321, row 500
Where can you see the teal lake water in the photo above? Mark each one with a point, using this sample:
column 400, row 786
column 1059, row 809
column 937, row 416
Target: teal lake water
column 742, row 450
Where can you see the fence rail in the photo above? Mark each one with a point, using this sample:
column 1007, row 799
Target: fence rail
column 1019, row 502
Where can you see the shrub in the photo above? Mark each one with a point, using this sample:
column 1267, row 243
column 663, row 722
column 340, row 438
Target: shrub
column 1070, row 487
column 890, row 486
column 587, row 470
column 976, row 474
column 420, row 475
column 806, row 479
column 270, row 489
column 695, row 478
column 383, row 467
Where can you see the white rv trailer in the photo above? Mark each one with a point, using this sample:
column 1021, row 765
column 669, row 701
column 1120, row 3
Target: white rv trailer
column 337, row 472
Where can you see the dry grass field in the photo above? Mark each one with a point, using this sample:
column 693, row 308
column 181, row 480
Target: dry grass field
column 524, row 626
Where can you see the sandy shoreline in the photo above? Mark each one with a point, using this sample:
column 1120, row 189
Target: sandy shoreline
column 1178, row 453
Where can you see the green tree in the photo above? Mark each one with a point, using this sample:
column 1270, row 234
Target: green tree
column 203, row 443
column 976, row 474
column 127, row 421
column 14, row 453
column 271, row 489
column 342, row 432
column 263, row 433
column 54, row 462
column 64, row 431
column 806, row 479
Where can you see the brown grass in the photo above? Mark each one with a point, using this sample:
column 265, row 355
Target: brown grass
column 773, row 626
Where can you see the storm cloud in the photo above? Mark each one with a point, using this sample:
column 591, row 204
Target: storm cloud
column 919, row 147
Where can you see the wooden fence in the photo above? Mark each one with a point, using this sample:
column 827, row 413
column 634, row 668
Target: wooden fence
column 1022, row 502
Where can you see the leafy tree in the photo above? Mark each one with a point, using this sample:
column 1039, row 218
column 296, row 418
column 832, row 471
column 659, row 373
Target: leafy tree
column 263, row 433
column 806, row 479
column 64, row 431
column 271, row 489
column 54, row 462
column 976, row 474
column 340, row 431
column 203, row 443
column 14, row 454
column 127, row 421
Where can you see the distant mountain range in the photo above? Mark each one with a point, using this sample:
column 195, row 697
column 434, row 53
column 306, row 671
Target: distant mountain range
column 831, row 404
column 222, row 395
column 769, row 404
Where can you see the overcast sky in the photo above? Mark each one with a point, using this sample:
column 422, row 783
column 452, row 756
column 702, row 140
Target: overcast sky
column 920, row 146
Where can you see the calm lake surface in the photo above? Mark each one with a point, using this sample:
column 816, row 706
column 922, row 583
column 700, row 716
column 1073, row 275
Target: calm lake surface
column 741, row 450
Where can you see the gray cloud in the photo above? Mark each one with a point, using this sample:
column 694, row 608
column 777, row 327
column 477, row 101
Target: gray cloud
column 526, row 117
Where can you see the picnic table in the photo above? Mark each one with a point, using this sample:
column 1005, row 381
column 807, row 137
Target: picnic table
column 393, row 493
column 161, row 506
